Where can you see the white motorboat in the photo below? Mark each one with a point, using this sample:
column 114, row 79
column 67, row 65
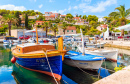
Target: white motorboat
column 31, row 40
column 98, row 45
column 109, row 54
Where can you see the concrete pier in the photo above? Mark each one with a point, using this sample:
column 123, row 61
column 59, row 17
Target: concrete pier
column 117, row 44
column 119, row 77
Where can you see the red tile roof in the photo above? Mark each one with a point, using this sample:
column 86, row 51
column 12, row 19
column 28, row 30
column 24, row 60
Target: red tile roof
column 0, row 16
column 104, row 26
column 41, row 21
column 48, row 12
column 22, row 21
column 71, row 28
column 76, row 17
column 50, row 16
column 62, row 15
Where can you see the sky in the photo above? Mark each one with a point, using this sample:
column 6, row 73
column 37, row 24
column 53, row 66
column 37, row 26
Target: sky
column 99, row 8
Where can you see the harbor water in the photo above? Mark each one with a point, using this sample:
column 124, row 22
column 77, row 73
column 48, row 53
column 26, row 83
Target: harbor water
column 14, row 74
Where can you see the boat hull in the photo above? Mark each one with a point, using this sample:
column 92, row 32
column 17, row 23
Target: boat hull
column 41, row 65
column 95, row 45
column 110, row 55
column 91, row 65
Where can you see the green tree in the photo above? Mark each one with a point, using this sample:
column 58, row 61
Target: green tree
column 92, row 18
column 64, row 27
column 9, row 18
column 26, row 21
column 55, row 29
column 46, row 26
column 16, row 14
column 33, row 13
column 41, row 18
column 80, row 16
column 123, row 14
column 84, row 17
column 69, row 17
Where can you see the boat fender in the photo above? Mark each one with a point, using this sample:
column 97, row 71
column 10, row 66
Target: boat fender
column 13, row 60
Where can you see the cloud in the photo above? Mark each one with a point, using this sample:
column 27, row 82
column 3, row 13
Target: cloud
column 99, row 7
column 68, row 2
column 12, row 7
column 75, row 7
column 69, row 9
column 59, row 11
column 33, row 0
column 40, row 6
column 51, row 0
column 87, row 0
column 36, row 10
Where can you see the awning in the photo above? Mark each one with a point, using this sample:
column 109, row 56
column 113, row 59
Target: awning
column 34, row 30
column 125, row 27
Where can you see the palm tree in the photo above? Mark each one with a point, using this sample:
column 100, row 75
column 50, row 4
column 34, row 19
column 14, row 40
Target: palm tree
column 123, row 14
column 64, row 27
column 55, row 29
column 46, row 26
column 9, row 18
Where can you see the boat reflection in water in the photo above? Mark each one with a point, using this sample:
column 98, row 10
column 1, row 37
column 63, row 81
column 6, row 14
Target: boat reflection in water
column 24, row 76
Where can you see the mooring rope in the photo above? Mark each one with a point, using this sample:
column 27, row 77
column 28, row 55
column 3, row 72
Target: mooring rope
column 82, row 69
column 50, row 67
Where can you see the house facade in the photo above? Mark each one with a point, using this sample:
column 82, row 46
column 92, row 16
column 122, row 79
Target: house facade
column 69, row 30
column 102, row 27
column 51, row 16
column 102, row 20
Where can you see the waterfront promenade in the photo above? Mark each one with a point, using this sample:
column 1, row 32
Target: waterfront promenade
column 116, row 44
column 119, row 77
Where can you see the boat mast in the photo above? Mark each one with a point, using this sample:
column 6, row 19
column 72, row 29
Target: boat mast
column 83, row 50
column 36, row 36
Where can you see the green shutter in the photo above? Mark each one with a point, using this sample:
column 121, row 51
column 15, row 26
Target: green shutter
column 67, row 30
column 72, row 30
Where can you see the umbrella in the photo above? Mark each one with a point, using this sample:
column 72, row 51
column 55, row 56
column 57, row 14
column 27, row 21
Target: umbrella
column 125, row 27
column 33, row 31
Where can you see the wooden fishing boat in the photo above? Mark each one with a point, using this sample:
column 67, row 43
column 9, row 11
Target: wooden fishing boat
column 41, row 58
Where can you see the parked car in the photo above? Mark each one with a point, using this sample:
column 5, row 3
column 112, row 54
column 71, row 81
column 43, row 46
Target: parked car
column 22, row 37
column 120, row 37
column 10, row 38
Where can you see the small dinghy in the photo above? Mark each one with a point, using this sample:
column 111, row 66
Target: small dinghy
column 87, row 61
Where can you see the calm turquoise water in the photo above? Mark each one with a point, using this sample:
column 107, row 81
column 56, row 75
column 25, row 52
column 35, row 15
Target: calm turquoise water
column 14, row 74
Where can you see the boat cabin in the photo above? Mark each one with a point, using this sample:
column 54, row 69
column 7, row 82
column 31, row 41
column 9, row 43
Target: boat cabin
column 30, row 47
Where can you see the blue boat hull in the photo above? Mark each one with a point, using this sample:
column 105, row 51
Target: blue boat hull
column 41, row 65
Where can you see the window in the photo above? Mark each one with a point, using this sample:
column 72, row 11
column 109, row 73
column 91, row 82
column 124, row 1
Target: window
column 67, row 30
column 72, row 30
column 63, row 30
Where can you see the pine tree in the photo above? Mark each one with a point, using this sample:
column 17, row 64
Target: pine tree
column 26, row 21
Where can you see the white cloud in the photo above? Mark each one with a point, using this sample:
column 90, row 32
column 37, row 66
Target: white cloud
column 12, row 7
column 36, row 10
column 69, row 9
column 87, row 0
column 99, row 7
column 75, row 7
column 40, row 6
column 68, row 2
column 33, row 0
column 51, row 0
column 60, row 11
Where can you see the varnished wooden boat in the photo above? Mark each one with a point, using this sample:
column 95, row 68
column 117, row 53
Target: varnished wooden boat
column 41, row 58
